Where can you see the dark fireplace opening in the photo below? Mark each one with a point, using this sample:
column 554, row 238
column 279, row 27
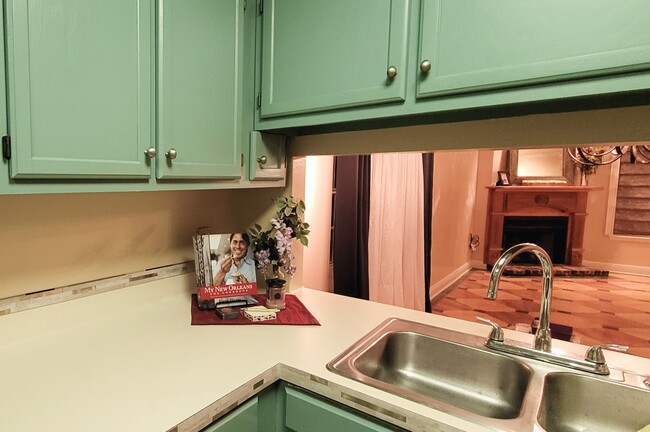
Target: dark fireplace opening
column 548, row 232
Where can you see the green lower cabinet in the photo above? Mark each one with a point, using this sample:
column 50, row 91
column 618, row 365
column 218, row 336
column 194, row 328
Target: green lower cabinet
column 306, row 413
column 244, row 418
column 283, row 407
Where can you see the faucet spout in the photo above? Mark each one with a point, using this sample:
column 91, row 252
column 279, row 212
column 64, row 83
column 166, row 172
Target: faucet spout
column 543, row 335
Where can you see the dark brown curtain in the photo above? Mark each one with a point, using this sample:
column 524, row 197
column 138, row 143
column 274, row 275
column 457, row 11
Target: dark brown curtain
column 351, row 216
column 427, row 170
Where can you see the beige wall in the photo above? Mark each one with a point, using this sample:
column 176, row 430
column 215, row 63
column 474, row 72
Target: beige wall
column 48, row 241
column 489, row 163
column 312, row 181
column 454, row 195
column 54, row 240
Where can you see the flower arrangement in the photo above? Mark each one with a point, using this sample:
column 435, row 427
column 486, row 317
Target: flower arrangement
column 272, row 247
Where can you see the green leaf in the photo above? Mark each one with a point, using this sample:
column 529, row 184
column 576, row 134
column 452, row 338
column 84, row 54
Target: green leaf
column 287, row 211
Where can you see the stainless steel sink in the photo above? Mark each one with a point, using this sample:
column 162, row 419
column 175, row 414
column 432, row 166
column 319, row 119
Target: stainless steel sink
column 572, row 402
column 439, row 368
column 454, row 372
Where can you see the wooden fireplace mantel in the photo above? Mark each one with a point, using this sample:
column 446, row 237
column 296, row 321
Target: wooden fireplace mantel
column 556, row 200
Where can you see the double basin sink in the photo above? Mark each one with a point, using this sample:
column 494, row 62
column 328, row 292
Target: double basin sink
column 455, row 373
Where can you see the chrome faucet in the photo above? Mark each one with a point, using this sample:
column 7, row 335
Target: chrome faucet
column 594, row 361
column 543, row 335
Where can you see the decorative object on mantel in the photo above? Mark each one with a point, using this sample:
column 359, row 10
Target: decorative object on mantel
column 540, row 167
column 272, row 248
column 295, row 313
column 504, row 180
column 605, row 155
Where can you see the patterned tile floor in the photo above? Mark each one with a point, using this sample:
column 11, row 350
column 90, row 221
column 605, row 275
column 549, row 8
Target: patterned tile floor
column 600, row 310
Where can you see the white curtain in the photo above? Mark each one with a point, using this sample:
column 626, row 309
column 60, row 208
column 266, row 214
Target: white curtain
column 396, row 230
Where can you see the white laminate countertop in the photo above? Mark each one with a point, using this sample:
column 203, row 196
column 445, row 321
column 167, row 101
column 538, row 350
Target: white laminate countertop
column 129, row 360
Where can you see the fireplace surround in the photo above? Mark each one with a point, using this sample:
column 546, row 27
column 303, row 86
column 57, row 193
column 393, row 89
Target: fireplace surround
column 539, row 205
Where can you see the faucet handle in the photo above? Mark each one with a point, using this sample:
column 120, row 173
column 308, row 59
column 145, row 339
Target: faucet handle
column 497, row 333
column 595, row 353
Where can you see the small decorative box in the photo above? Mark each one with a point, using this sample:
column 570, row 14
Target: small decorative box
column 227, row 313
column 259, row 313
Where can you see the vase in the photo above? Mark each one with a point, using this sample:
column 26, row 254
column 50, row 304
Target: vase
column 275, row 291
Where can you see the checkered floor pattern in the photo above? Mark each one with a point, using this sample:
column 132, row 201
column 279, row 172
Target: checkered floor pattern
column 600, row 310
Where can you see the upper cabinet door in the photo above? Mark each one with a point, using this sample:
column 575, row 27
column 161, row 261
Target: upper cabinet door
column 326, row 55
column 482, row 45
column 200, row 88
column 79, row 85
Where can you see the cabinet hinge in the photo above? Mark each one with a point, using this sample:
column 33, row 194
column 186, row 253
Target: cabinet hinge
column 259, row 99
column 242, row 160
column 260, row 7
column 6, row 147
column 245, row 5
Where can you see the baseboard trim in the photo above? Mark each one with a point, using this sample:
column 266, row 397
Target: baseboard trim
column 619, row 268
column 445, row 283
column 478, row 264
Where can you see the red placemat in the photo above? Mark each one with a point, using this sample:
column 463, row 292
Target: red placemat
column 295, row 313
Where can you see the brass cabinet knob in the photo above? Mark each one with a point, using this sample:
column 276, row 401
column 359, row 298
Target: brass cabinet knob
column 425, row 66
column 150, row 152
column 392, row 72
column 262, row 160
column 171, row 154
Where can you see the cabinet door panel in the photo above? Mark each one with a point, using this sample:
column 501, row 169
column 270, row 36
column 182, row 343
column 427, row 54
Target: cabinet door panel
column 305, row 413
column 244, row 418
column 199, row 88
column 331, row 54
column 79, row 81
column 507, row 43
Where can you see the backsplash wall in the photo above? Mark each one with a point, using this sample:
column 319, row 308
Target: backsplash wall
column 48, row 241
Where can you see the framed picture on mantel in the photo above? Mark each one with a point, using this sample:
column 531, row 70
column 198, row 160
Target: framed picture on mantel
column 504, row 180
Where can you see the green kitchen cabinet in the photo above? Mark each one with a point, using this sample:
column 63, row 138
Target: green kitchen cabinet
column 470, row 46
column 465, row 60
column 307, row 413
column 79, row 85
column 268, row 157
column 243, row 419
column 283, row 407
column 327, row 55
column 200, row 84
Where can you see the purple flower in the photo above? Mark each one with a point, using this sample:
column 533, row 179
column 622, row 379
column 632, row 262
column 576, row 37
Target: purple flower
column 262, row 258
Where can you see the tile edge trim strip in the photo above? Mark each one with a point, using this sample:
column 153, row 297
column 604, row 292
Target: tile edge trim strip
column 52, row 296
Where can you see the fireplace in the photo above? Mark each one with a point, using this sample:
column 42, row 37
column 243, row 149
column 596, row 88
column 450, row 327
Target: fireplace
column 548, row 232
column 552, row 217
